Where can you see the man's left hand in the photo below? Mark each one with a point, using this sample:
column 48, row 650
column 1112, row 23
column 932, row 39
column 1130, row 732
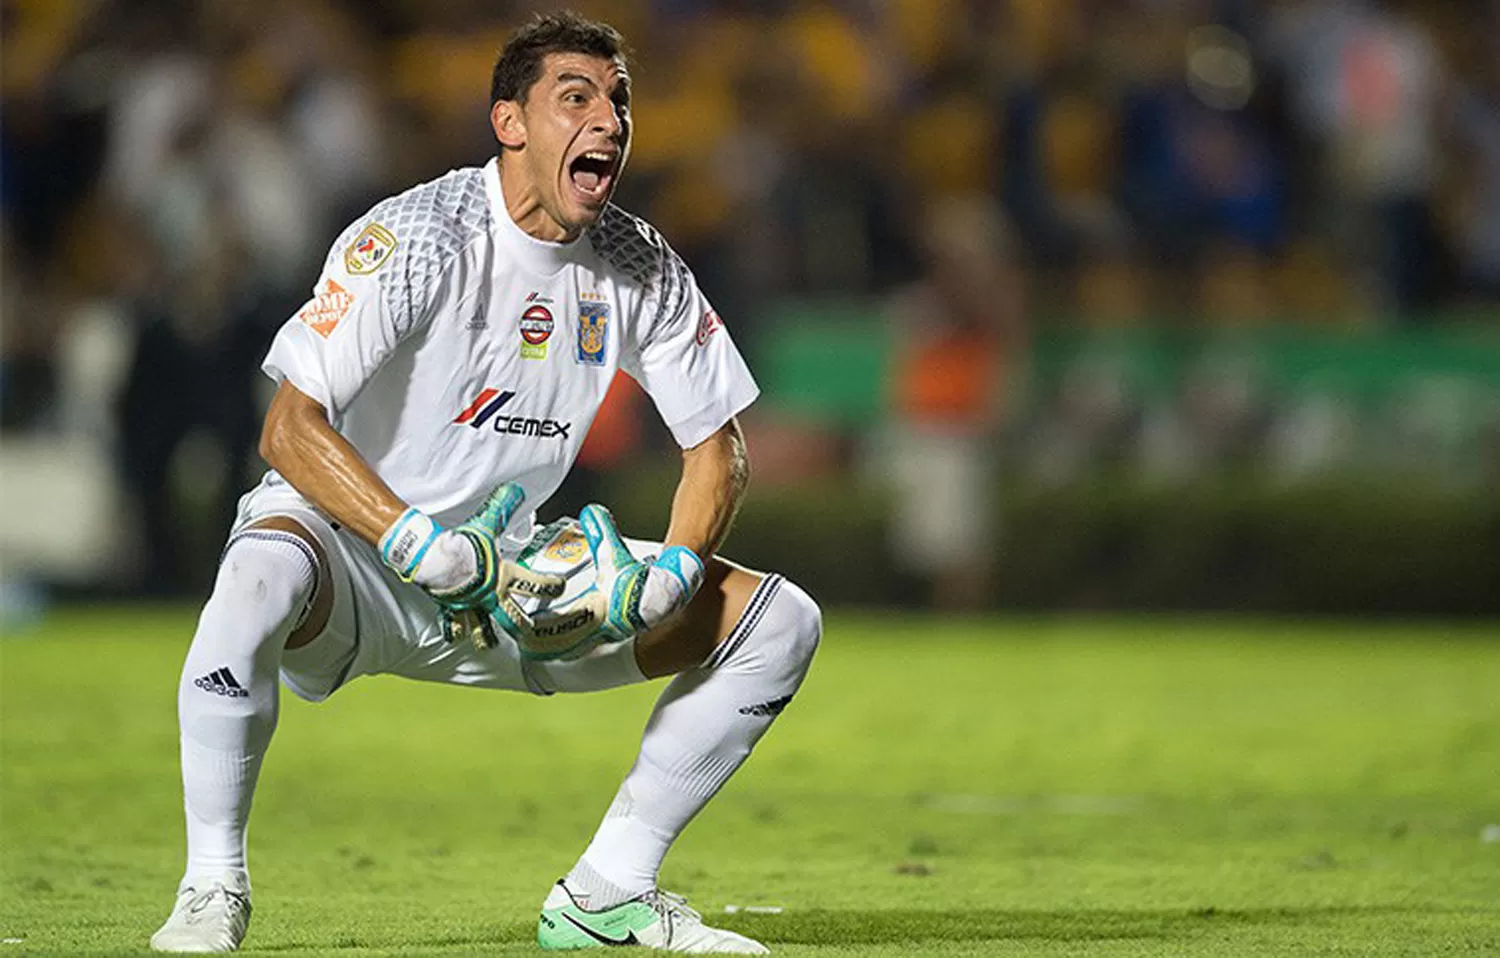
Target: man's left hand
column 629, row 596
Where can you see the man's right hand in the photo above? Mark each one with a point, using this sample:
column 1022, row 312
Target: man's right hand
column 461, row 569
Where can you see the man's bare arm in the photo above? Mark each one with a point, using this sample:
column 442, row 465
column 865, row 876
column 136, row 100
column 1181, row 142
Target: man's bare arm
column 457, row 567
column 715, row 474
column 299, row 443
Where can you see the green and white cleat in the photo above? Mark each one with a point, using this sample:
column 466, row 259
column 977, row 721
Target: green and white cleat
column 656, row 919
column 209, row 916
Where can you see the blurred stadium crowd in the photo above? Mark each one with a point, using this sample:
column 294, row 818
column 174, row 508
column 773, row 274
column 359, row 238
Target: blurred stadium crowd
column 986, row 173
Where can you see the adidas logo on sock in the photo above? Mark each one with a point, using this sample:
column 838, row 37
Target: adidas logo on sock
column 772, row 707
column 222, row 682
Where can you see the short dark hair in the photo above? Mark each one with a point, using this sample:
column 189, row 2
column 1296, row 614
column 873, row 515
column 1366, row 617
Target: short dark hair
column 520, row 63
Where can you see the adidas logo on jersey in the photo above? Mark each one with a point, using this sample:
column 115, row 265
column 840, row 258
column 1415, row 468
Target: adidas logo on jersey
column 222, row 682
column 765, row 709
column 486, row 407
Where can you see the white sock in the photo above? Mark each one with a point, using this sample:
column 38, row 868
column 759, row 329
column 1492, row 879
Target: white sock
column 703, row 728
column 227, row 698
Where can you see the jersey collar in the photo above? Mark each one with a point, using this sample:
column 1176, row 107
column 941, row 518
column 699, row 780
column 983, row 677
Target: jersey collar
column 536, row 255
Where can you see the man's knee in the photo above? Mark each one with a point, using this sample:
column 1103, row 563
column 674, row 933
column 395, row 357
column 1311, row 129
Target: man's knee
column 805, row 620
column 727, row 609
column 265, row 582
column 793, row 630
column 778, row 632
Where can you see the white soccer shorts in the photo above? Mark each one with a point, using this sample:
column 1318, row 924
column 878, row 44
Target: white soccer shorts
column 382, row 625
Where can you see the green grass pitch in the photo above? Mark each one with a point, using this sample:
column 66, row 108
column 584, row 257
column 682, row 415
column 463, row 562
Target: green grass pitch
column 940, row 787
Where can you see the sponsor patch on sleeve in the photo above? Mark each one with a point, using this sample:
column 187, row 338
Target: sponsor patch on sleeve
column 324, row 311
column 370, row 249
column 708, row 324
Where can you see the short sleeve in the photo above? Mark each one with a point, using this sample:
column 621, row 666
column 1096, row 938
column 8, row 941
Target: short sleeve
column 685, row 359
column 384, row 279
column 348, row 329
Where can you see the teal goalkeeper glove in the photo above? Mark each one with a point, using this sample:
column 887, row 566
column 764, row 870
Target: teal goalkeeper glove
column 462, row 570
column 628, row 597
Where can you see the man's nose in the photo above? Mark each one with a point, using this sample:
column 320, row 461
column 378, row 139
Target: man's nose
column 608, row 121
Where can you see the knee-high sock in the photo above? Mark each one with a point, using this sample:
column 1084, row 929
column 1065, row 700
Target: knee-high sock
column 704, row 726
column 227, row 698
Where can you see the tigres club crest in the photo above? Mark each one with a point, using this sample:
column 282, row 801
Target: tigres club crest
column 593, row 320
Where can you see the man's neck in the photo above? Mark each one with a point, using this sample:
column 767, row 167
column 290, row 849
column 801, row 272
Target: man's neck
column 524, row 204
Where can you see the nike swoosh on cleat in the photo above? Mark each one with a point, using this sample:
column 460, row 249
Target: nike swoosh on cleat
column 629, row 938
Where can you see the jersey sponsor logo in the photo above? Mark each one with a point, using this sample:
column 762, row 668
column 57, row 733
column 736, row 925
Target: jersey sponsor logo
column 536, row 329
column 486, row 409
column 483, row 402
column 593, row 320
column 370, row 249
column 708, row 324
column 324, row 311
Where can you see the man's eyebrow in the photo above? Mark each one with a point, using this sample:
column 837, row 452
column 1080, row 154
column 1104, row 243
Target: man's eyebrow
column 622, row 84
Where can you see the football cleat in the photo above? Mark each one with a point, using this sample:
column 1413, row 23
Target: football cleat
column 656, row 919
column 209, row 916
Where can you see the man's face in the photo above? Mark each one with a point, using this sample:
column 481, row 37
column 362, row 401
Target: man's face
column 573, row 130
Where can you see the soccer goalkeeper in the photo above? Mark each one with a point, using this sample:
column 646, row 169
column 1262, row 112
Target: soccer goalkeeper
column 434, row 389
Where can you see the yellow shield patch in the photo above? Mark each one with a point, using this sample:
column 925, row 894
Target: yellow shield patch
column 370, row 249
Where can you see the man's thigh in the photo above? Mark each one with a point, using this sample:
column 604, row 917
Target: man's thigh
column 377, row 624
column 364, row 620
column 399, row 632
column 687, row 641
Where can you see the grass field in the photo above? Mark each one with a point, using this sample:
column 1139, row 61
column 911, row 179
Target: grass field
column 997, row 787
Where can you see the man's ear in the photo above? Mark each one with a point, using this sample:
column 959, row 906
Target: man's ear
column 508, row 123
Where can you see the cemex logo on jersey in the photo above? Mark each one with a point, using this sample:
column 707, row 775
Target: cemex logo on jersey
column 486, row 407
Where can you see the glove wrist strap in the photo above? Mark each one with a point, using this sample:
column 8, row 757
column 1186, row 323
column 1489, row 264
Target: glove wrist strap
column 406, row 542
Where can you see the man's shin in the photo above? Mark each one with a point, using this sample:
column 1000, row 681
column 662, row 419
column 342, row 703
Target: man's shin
column 227, row 697
column 704, row 726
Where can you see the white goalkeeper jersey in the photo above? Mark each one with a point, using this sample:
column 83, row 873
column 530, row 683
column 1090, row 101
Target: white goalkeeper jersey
column 456, row 352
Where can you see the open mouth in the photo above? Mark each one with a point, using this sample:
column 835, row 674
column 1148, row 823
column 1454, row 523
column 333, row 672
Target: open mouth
column 592, row 172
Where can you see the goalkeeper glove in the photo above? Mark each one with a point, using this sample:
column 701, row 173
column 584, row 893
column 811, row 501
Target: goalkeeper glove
column 628, row 597
column 462, row 570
